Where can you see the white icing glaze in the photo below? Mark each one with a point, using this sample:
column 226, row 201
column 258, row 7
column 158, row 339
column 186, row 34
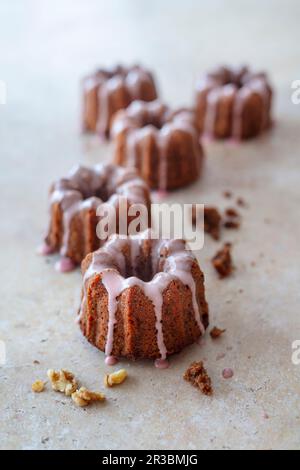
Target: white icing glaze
column 170, row 261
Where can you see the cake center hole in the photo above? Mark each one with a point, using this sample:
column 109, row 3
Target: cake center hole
column 152, row 121
column 142, row 267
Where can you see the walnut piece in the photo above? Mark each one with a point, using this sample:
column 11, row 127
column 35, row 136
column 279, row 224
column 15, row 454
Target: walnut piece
column 115, row 378
column 62, row 381
column 197, row 375
column 84, row 397
column 38, row 386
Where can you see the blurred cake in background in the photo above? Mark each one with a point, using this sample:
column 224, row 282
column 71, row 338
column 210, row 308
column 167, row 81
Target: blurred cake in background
column 74, row 201
column 107, row 91
column 233, row 103
column 162, row 144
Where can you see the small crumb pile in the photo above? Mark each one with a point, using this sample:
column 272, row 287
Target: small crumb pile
column 232, row 220
column 197, row 375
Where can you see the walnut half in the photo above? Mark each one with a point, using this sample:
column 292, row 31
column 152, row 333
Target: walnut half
column 62, row 381
column 115, row 378
column 84, row 397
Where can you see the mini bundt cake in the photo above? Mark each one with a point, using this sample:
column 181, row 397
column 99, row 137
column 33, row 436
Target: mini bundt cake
column 233, row 103
column 107, row 91
column 73, row 205
column 142, row 298
column 163, row 145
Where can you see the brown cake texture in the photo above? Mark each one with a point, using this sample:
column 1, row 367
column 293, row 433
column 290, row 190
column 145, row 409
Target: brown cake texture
column 162, row 144
column 222, row 261
column 233, row 103
column 142, row 297
column 75, row 199
column 197, row 375
column 107, row 91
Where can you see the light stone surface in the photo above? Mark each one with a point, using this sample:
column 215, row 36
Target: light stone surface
column 45, row 47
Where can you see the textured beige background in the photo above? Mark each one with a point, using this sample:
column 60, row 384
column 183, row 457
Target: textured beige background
column 45, row 47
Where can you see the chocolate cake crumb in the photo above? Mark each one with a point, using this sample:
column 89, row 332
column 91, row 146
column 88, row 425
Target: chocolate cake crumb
column 227, row 194
column 212, row 221
column 233, row 215
column 216, row 332
column 231, row 224
column 231, row 212
column 197, row 375
column 240, row 202
column 222, row 261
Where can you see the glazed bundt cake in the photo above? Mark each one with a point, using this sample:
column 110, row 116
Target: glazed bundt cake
column 163, row 145
column 73, row 208
column 107, row 91
column 233, row 103
column 142, row 298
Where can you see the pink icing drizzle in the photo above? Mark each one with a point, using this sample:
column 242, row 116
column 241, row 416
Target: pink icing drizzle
column 45, row 250
column 102, row 84
column 75, row 194
column 135, row 121
column 161, row 363
column 214, row 87
column 65, row 265
column 111, row 360
column 110, row 262
column 227, row 373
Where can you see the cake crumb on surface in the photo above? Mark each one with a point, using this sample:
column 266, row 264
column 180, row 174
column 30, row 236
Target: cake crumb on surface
column 232, row 212
column 197, row 375
column 227, row 194
column 222, row 261
column 212, row 220
column 216, row 332
column 232, row 224
column 241, row 202
column 233, row 218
